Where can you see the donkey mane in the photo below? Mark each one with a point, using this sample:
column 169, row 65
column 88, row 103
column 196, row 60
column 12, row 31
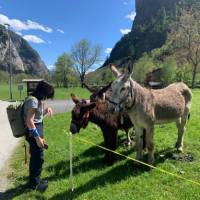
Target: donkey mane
column 101, row 116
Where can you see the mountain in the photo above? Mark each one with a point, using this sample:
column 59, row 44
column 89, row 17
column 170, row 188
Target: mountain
column 149, row 29
column 23, row 57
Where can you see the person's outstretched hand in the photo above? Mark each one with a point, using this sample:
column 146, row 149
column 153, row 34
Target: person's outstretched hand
column 48, row 111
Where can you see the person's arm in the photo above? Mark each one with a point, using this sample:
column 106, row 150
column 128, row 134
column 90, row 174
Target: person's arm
column 48, row 111
column 32, row 129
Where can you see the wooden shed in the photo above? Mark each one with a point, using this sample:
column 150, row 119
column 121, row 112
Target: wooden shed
column 31, row 84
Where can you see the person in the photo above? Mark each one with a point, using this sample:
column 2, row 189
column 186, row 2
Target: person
column 33, row 113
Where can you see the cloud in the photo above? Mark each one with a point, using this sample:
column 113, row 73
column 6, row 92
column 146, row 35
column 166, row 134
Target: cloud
column 128, row 2
column 51, row 67
column 33, row 39
column 108, row 50
column 125, row 31
column 18, row 33
column 131, row 16
column 60, row 30
column 18, row 25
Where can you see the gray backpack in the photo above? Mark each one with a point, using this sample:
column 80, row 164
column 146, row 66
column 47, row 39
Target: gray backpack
column 15, row 117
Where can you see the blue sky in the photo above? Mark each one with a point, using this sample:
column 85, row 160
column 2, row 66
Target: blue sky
column 52, row 27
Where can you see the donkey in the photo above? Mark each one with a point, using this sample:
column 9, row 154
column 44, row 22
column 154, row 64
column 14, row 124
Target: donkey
column 147, row 107
column 102, row 95
column 97, row 113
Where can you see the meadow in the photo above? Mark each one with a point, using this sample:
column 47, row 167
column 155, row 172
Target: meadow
column 125, row 180
column 60, row 93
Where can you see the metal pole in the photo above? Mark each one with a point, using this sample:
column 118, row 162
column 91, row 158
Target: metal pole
column 70, row 163
column 9, row 63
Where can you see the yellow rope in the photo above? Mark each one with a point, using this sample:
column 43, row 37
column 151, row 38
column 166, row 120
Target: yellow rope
column 138, row 161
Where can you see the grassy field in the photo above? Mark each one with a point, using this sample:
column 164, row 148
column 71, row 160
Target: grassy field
column 60, row 93
column 124, row 180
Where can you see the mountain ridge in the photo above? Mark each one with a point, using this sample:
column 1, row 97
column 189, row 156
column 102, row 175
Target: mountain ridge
column 23, row 57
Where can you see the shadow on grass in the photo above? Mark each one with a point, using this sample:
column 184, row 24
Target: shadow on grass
column 92, row 158
column 115, row 174
column 14, row 192
column 89, row 160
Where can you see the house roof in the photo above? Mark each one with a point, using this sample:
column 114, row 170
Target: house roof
column 32, row 80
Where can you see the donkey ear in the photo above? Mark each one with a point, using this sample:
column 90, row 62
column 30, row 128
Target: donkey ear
column 87, row 107
column 75, row 99
column 92, row 90
column 104, row 89
column 128, row 70
column 114, row 70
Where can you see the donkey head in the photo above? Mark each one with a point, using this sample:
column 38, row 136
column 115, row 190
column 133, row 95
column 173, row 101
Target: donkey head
column 80, row 114
column 122, row 95
column 97, row 93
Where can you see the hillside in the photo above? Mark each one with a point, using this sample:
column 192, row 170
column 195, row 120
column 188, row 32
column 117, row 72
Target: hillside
column 23, row 57
column 148, row 30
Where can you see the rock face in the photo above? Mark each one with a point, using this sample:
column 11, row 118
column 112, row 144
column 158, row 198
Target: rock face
column 23, row 57
column 148, row 30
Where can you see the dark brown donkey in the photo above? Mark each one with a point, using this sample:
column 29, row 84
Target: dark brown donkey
column 97, row 113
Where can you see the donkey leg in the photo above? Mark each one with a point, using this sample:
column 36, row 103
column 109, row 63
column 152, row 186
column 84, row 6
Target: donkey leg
column 128, row 137
column 180, row 123
column 150, row 144
column 139, row 142
column 110, row 139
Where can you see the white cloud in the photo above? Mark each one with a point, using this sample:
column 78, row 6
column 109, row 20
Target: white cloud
column 18, row 25
column 108, row 50
column 131, row 16
column 125, row 31
column 51, row 67
column 60, row 30
column 33, row 39
column 18, row 33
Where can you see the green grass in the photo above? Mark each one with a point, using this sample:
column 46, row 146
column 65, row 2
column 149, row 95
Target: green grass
column 60, row 93
column 122, row 181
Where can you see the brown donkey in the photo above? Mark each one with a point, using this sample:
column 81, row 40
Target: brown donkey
column 97, row 113
column 147, row 107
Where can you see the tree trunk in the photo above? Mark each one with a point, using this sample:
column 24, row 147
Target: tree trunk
column 194, row 75
column 82, row 80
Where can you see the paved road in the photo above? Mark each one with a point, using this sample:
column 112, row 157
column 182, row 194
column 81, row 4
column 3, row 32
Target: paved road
column 60, row 106
column 8, row 143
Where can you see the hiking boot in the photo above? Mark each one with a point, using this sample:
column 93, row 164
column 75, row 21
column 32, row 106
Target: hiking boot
column 43, row 181
column 42, row 186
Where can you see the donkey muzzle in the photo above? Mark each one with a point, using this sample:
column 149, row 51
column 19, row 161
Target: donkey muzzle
column 73, row 128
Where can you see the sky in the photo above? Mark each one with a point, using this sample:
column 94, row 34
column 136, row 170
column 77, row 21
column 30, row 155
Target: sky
column 53, row 27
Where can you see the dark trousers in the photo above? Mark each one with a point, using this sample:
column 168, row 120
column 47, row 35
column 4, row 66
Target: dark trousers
column 36, row 157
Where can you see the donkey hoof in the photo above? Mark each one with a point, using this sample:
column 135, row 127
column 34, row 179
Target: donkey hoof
column 151, row 161
column 180, row 149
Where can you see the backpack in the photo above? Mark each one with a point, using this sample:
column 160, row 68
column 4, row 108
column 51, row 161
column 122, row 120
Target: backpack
column 15, row 117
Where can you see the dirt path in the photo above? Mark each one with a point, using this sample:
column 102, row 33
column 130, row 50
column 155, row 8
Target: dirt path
column 7, row 144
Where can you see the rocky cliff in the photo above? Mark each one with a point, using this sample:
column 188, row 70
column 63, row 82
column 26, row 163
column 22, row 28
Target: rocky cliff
column 23, row 57
column 148, row 30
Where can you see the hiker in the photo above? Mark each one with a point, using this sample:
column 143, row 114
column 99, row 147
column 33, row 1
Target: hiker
column 33, row 113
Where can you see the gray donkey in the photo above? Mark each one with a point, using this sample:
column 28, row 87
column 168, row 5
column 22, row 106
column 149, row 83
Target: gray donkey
column 147, row 107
